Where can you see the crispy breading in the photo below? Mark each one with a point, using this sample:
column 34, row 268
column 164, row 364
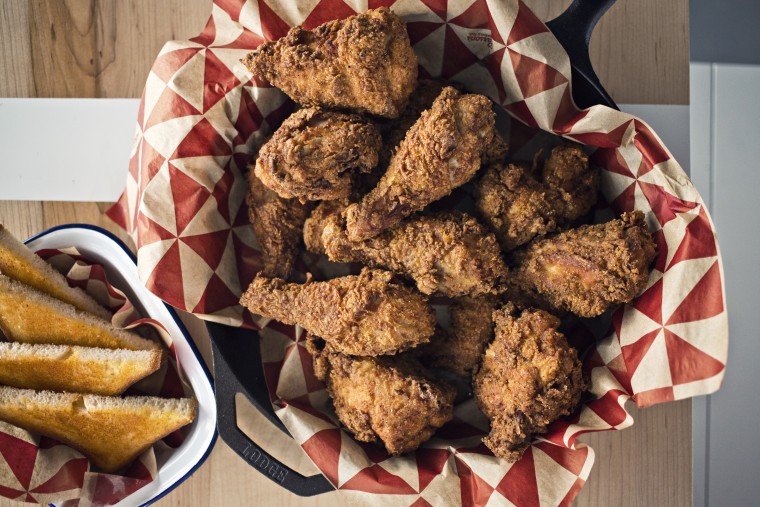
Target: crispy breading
column 448, row 253
column 460, row 348
column 514, row 205
column 363, row 63
column 589, row 269
column 390, row 400
column 369, row 314
column 395, row 130
column 529, row 377
column 439, row 153
column 277, row 224
column 314, row 154
column 496, row 151
column 519, row 207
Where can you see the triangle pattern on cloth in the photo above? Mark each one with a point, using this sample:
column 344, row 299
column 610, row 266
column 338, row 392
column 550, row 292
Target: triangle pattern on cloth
column 698, row 241
column 324, row 448
column 526, row 25
column 218, row 81
column 474, row 489
column 704, row 301
column 209, row 246
column 430, row 463
column 327, row 10
column 216, row 297
column 534, row 77
column 271, row 24
column 476, row 15
column 457, row 56
column 376, row 479
column 203, row 139
column 687, row 362
column 519, row 485
column 20, row 456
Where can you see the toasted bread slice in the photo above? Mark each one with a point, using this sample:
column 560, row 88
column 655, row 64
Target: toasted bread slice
column 77, row 369
column 111, row 431
column 30, row 316
column 21, row 264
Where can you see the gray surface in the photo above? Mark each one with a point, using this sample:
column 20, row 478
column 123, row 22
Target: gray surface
column 724, row 31
column 725, row 155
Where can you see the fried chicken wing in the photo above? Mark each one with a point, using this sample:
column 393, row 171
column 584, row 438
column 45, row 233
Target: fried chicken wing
column 449, row 253
column 439, row 153
column 314, row 154
column 529, row 377
column 362, row 63
column 389, row 400
column 589, row 269
column 277, row 224
column 460, row 348
column 519, row 207
column 368, row 314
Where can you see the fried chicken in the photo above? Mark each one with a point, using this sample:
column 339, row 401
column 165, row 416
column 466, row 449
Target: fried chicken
column 448, row 253
column 369, row 314
column 529, row 377
column 439, row 153
column 589, row 269
column 362, row 63
column 395, row 130
column 460, row 348
column 392, row 400
column 519, row 207
column 314, row 154
column 277, row 224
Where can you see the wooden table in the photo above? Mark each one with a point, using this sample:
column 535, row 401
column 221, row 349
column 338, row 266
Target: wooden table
column 104, row 48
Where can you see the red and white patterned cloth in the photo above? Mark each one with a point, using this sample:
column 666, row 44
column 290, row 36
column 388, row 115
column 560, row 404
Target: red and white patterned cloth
column 38, row 469
column 202, row 113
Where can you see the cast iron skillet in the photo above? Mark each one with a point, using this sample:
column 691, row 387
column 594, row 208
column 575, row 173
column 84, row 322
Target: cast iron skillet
column 237, row 358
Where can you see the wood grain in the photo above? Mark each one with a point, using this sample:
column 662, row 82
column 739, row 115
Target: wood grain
column 104, row 48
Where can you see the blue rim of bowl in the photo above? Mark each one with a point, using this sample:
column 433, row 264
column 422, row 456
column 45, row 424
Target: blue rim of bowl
column 182, row 328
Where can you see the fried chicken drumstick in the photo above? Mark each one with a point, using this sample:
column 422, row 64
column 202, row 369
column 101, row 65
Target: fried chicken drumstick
column 439, row 153
column 392, row 400
column 314, row 154
column 519, row 206
column 277, row 224
column 589, row 269
column 368, row 314
column 363, row 63
column 529, row 377
column 449, row 253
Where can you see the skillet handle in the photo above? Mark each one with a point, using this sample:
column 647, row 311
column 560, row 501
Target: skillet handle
column 227, row 385
column 573, row 29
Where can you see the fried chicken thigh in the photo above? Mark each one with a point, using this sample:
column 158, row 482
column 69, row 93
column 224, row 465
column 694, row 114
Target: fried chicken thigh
column 439, row 153
column 368, row 314
column 519, row 207
column 460, row 348
column 392, row 400
column 449, row 253
column 362, row 63
column 314, row 154
column 529, row 377
column 277, row 224
column 589, row 269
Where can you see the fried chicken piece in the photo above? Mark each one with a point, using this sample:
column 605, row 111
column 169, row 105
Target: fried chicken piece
column 529, row 378
column 395, row 130
column 519, row 207
column 390, row 400
column 460, row 348
column 439, row 153
column 449, row 252
column 496, row 151
column 568, row 173
column 314, row 154
column 363, row 63
column 277, row 224
column 369, row 314
column 514, row 205
column 589, row 269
